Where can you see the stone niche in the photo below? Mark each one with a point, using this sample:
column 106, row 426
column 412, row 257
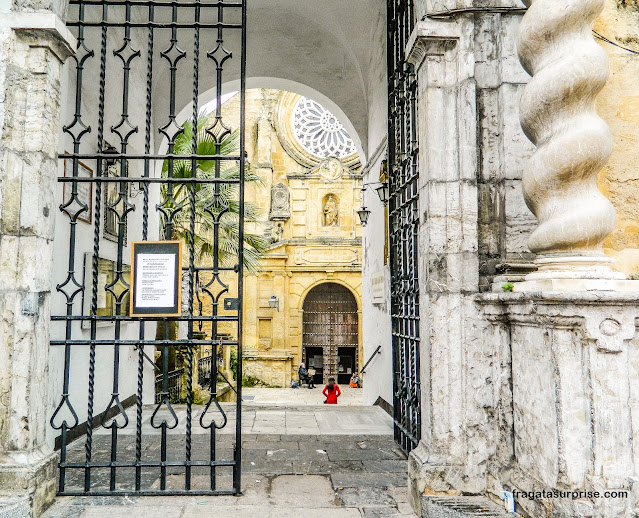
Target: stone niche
column 330, row 211
column 280, row 203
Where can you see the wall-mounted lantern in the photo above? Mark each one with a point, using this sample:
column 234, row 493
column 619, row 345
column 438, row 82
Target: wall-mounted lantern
column 363, row 214
column 274, row 303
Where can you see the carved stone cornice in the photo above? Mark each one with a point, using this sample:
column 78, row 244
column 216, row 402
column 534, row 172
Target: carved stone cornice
column 609, row 320
column 431, row 38
column 36, row 25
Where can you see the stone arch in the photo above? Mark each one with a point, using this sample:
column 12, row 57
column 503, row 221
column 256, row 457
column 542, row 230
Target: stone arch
column 335, row 281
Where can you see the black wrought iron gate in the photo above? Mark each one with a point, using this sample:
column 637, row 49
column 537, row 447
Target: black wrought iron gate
column 404, row 225
column 134, row 170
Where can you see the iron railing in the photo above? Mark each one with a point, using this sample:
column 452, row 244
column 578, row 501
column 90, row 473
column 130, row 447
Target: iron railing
column 377, row 351
column 174, row 385
column 404, row 224
column 136, row 66
column 204, row 368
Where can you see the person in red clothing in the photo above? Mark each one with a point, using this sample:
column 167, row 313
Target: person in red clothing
column 332, row 392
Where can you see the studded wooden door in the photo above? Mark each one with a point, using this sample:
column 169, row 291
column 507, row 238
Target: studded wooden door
column 330, row 322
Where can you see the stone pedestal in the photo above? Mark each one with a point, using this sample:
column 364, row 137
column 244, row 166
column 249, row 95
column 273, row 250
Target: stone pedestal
column 567, row 415
column 35, row 45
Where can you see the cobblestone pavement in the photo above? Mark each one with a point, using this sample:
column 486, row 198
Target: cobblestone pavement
column 347, row 466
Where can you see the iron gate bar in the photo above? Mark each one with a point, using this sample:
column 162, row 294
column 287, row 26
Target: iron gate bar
column 219, row 318
column 120, row 209
column 403, row 225
column 155, row 3
column 132, row 156
column 143, row 180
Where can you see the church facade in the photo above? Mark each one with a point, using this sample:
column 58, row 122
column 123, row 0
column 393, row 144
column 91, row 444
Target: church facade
column 307, row 202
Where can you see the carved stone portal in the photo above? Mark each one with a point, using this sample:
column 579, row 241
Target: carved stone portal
column 280, row 203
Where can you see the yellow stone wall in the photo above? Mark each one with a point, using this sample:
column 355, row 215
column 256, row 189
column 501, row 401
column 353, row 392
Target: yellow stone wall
column 307, row 254
column 618, row 104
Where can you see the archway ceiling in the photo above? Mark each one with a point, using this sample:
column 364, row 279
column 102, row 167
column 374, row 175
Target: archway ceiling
column 328, row 47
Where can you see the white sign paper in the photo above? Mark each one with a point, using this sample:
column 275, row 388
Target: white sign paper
column 378, row 284
column 102, row 282
column 155, row 281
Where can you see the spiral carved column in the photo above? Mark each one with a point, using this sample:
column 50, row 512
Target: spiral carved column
column 558, row 115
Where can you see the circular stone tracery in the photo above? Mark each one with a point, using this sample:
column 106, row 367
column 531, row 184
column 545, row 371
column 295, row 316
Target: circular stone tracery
column 319, row 132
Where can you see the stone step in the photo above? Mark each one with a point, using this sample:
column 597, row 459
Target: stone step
column 462, row 507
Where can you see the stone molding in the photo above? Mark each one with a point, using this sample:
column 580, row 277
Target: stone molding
column 47, row 23
column 610, row 332
column 432, row 38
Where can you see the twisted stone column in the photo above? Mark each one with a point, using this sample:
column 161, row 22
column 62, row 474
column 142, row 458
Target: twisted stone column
column 558, row 114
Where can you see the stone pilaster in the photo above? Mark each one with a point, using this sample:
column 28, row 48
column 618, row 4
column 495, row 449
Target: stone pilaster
column 442, row 53
column 36, row 45
column 558, row 114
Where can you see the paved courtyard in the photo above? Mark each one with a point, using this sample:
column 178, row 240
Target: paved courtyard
column 299, row 459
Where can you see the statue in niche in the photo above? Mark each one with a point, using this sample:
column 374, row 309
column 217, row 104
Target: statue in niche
column 280, row 203
column 279, row 232
column 330, row 212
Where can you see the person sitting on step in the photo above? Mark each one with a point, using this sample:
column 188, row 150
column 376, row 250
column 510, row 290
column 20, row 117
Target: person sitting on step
column 332, row 392
column 304, row 376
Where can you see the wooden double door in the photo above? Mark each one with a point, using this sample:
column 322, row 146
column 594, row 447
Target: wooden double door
column 330, row 332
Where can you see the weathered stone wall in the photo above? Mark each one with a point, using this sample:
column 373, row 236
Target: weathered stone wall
column 473, row 219
column 564, row 413
column 618, row 104
column 513, row 399
column 504, row 221
column 34, row 46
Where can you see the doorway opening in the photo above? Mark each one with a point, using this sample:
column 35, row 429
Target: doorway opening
column 314, row 359
column 330, row 326
column 346, row 364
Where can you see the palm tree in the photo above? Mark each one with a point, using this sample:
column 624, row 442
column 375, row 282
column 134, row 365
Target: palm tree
column 212, row 201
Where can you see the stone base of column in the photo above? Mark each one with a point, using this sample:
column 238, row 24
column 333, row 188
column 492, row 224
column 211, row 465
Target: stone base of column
column 431, row 474
column 568, row 410
column 579, row 273
column 27, row 483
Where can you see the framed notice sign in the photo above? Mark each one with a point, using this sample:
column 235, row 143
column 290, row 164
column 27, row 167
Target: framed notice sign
column 156, row 274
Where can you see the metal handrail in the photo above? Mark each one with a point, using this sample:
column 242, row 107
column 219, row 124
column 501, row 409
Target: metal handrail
column 227, row 380
column 377, row 351
column 148, row 359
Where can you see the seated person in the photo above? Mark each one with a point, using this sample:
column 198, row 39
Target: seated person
column 303, row 375
column 311, row 378
column 355, row 381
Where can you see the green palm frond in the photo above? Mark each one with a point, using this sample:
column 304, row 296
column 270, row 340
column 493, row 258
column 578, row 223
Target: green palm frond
column 214, row 203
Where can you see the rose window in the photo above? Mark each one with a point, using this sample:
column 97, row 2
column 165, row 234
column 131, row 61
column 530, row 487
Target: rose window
column 319, row 132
